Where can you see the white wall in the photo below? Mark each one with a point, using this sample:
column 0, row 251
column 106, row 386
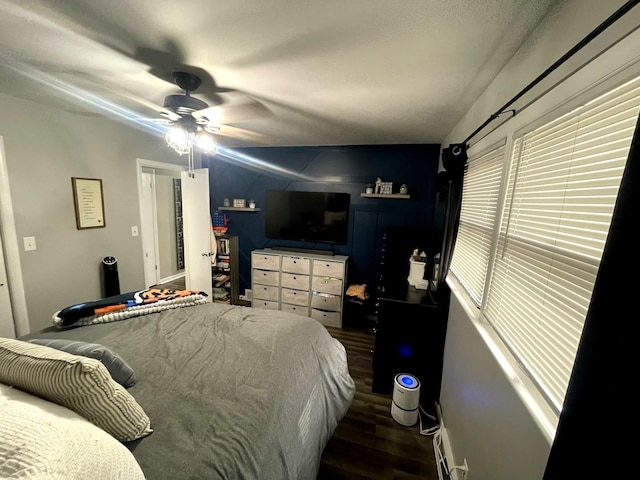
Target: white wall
column 44, row 148
column 489, row 414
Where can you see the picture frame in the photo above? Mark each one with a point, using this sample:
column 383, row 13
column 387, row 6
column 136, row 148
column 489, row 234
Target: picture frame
column 88, row 202
column 239, row 202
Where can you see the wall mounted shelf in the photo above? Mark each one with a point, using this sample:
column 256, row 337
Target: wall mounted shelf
column 239, row 209
column 385, row 195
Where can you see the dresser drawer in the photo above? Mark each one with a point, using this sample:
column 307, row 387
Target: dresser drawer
column 266, row 304
column 296, row 297
column 265, row 261
column 266, row 277
column 296, row 265
column 299, row 309
column 328, row 269
column 327, row 285
column 326, row 301
column 294, row 280
column 265, row 292
column 330, row 319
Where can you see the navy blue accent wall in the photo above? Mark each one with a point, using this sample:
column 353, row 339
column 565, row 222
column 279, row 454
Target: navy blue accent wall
column 248, row 172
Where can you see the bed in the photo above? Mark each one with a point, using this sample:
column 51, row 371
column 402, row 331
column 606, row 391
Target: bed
column 231, row 392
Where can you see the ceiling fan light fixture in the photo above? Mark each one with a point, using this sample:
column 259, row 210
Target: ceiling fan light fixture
column 206, row 142
column 179, row 139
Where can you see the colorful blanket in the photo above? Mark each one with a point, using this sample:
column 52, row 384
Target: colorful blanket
column 126, row 305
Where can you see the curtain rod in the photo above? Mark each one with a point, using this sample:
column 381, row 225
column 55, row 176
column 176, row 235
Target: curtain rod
column 594, row 33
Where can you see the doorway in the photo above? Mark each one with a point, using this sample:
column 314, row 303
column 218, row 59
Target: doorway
column 160, row 225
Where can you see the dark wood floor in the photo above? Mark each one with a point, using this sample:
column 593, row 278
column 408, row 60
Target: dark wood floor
column 368, row 443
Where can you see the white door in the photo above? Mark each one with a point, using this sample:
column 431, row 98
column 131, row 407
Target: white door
column 196, row 221
column 149, row 229
column 7, row 328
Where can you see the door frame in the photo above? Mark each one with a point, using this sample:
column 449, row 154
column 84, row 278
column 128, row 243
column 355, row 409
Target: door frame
column 153, row 164
column 9, row 239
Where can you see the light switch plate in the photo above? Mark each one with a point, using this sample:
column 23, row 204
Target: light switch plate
column 134, row 231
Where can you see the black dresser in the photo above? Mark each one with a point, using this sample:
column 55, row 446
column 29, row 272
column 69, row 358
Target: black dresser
column 411, row 324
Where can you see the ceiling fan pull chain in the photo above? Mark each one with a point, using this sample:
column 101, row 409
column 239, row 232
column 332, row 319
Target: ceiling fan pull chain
column 191, row 172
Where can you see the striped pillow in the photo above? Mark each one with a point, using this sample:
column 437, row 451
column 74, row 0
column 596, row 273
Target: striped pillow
column 41, row 440
column 81, row 384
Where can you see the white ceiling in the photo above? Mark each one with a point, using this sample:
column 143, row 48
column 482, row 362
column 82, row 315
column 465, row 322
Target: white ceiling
column 330, row 72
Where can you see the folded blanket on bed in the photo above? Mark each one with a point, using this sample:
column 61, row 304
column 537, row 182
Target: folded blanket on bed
column 126, row 305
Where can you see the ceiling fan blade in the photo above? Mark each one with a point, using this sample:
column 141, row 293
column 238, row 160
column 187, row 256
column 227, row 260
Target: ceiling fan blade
column 241, row 134
column 169, row 115
column 161, row 121
column 234, row 111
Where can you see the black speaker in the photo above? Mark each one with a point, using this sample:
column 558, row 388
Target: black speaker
column 454, row 157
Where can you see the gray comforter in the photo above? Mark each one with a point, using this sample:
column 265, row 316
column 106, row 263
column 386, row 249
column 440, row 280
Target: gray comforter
column 232, row 392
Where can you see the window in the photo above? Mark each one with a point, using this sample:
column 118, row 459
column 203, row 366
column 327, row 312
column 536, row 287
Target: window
column 481, row 187
column 561, row 186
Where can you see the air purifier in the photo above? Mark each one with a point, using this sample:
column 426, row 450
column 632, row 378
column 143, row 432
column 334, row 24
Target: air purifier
column 406, row 399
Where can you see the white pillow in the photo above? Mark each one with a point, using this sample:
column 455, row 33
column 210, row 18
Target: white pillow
column 79, row 383
column 40, row 440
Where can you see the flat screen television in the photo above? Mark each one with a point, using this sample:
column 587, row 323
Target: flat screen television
column 307, row 216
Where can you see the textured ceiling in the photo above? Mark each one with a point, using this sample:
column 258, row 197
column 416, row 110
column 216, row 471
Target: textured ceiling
column 327, row 72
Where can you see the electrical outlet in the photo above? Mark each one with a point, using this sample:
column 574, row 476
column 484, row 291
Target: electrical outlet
column 29, row 243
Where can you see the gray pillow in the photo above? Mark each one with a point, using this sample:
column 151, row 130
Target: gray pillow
column 120, row 370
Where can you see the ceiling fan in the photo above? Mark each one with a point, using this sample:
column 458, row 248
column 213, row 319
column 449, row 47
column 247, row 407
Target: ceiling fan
column 193, row 121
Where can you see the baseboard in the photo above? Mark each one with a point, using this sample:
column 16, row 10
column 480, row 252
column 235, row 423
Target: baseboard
column 172, row 278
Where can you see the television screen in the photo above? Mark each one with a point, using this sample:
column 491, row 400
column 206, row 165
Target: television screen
column 307, row 216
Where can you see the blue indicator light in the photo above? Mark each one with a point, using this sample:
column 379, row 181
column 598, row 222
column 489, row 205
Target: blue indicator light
column 405, row 350
column 408, row 381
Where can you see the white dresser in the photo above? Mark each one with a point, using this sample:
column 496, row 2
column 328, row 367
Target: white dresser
column 308, row 284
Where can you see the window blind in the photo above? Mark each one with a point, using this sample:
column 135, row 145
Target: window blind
column 562, row 185
column 481, row 189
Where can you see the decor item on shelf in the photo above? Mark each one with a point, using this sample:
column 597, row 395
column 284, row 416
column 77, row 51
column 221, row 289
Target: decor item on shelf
column 252, row 204
column 369, row 188
column 220, row 221
column 378, row 185
column 226, row 202
column 386, row 188
column 404, row 189
column 239, row 202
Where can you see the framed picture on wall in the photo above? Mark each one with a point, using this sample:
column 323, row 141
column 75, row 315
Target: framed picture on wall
column 88, row 202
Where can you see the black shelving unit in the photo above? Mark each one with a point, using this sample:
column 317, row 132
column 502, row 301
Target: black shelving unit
column 225, row 271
